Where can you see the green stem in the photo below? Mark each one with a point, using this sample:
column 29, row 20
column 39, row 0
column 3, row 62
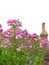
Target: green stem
column 14, row 27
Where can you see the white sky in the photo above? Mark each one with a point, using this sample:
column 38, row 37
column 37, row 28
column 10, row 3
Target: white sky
column 30, row 12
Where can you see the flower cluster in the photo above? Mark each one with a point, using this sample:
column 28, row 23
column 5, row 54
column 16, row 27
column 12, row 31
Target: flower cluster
column 14, row 22
column 25, row 33
column 21, row 33
column 9, row 33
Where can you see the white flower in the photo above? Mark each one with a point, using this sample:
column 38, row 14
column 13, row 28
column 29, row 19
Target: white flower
column 18, row 49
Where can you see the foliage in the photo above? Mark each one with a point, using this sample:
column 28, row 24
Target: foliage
column 9, row 55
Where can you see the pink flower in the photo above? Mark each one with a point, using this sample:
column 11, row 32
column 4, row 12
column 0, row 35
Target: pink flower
column 21, row 34
column 5, row 36
column 9, row 33
column 44, row 42
column 34, row 36
column 14, row 22
column 1, row 30
column 18, row 23
column 11, row 22
column 6, row 40
column 18, row 35
column 25, row 32
column 28, row 36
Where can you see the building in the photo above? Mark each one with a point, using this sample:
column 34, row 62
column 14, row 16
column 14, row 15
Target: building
column 44, row 34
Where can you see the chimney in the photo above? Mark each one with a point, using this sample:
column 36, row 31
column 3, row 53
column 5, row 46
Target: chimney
column 43, row 27
column 44, row 34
